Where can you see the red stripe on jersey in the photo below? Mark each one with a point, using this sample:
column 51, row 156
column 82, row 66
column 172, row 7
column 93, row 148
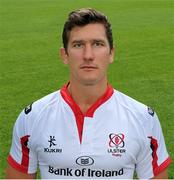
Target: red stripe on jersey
column 163, row 166
column 76, row 109
column 25, row 151
column 16, row 165
column 157, row 169
column 154, row 146
column 23, row 167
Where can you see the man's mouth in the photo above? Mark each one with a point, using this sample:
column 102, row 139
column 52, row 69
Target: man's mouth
column 87, row 67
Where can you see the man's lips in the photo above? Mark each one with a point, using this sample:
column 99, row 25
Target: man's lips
column 88, row 67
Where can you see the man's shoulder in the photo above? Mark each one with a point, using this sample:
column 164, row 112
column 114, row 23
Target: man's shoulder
column 132, row 104
column 42, row 103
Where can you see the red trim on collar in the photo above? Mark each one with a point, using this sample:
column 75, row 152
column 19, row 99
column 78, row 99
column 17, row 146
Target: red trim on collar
column 76, row 109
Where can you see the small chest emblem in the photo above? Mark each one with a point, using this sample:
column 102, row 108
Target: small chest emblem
column 116, row 140
column 52, row 145
column 52, row 141
column 84, row 161
column 116, row 144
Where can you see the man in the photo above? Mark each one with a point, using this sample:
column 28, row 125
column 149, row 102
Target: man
column 87, row 129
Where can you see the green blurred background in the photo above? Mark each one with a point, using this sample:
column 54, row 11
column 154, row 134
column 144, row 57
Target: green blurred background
column 30, row 65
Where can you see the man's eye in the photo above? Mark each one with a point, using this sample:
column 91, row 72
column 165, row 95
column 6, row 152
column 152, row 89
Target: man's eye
column 77, row 45
column 98, row 44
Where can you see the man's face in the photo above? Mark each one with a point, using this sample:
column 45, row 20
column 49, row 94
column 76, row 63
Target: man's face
column 88, row 54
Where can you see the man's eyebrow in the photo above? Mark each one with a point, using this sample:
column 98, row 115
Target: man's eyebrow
column 77, row 41
column 99, row 40
column 92, row 40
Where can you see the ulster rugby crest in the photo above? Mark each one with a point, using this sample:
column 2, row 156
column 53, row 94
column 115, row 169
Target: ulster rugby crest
column 116, row 144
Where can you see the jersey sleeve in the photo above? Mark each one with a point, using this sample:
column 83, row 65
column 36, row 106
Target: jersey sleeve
column 21, row 156
column 154, row 157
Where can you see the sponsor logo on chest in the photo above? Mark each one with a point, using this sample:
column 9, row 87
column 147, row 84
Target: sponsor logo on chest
column 85, row 172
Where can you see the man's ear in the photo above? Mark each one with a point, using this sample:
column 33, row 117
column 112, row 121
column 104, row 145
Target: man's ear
column 64, row 55
column 112, row 54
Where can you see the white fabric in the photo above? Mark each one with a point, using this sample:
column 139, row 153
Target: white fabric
column 115, row 141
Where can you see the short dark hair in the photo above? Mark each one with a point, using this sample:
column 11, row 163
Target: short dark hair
column 82, row 17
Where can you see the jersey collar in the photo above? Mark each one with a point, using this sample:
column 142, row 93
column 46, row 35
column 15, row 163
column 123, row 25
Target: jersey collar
column 79, row 116
column 74, row 106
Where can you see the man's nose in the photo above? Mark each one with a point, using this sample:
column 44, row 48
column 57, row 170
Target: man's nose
column 88, row 53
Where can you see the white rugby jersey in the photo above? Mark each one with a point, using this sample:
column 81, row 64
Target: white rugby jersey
column 115, row 138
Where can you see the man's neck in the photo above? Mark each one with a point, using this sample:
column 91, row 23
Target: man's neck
column 86, row 95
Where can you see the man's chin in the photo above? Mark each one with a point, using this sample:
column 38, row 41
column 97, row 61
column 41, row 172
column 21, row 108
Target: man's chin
column 89, row 82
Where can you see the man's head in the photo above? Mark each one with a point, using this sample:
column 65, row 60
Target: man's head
column 84, row 17
column 88, row 47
